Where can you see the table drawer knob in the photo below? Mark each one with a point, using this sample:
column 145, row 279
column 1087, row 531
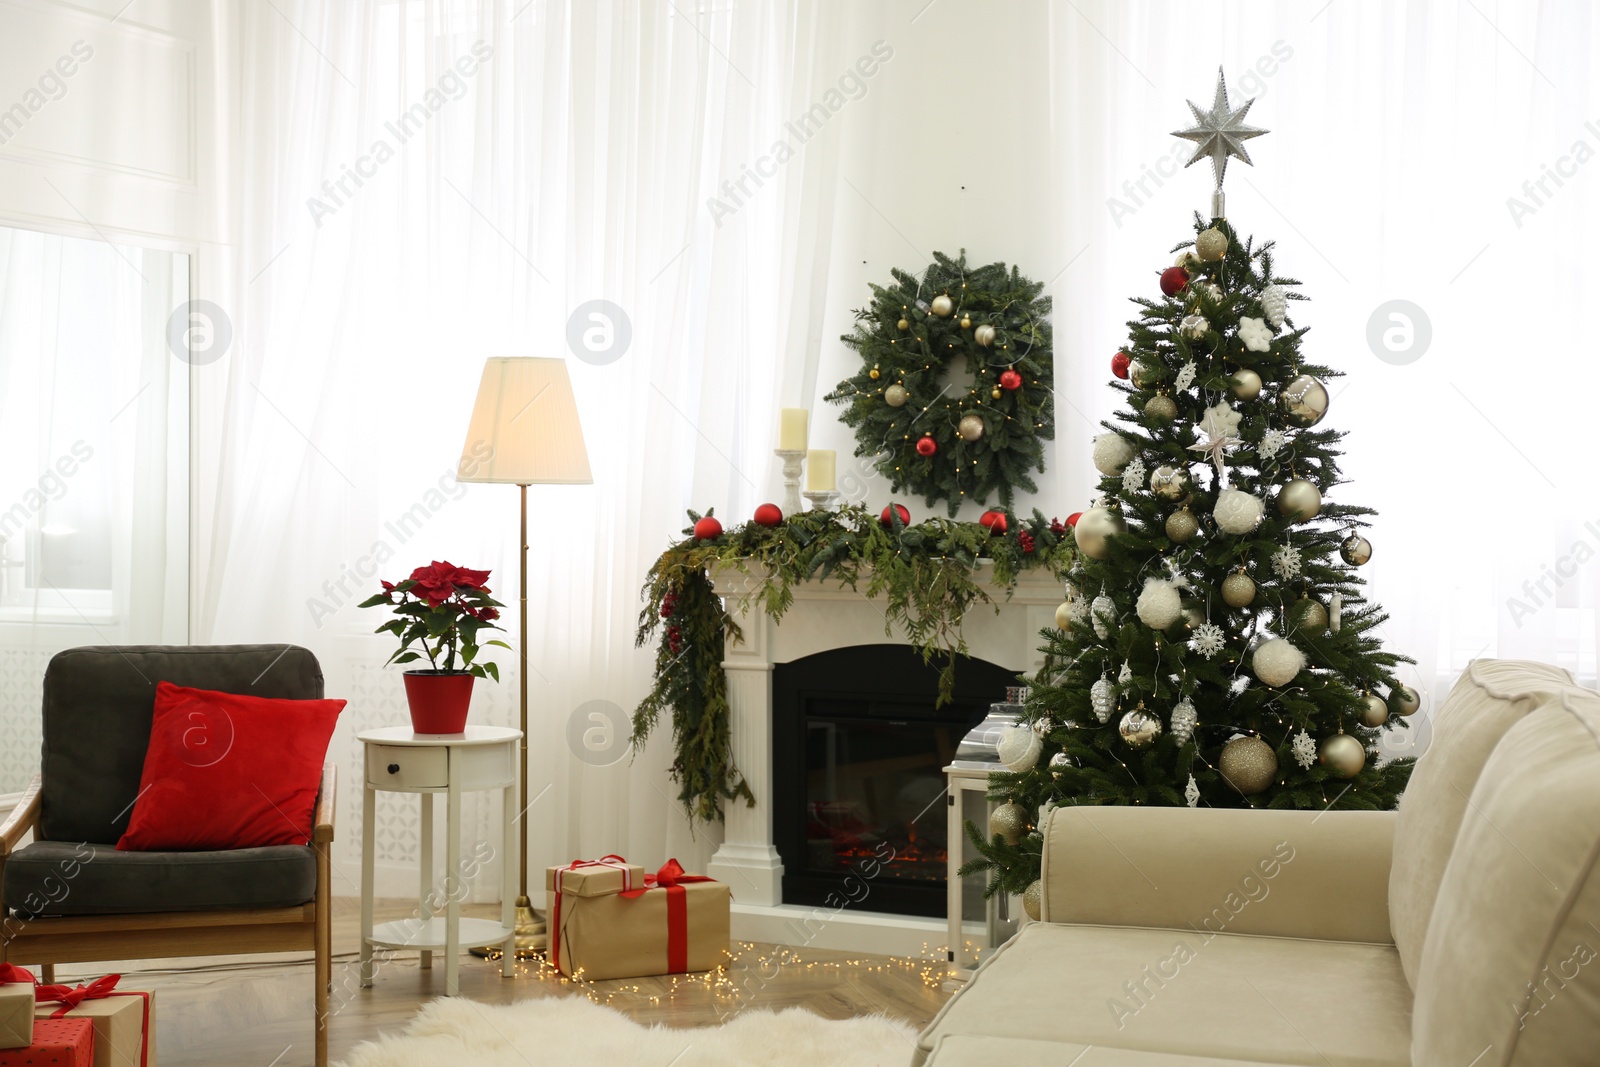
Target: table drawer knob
column 394, row 768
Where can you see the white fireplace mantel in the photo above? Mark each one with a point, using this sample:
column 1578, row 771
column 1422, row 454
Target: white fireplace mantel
column 826, row 615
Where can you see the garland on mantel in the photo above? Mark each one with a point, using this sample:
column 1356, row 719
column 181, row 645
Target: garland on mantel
column 923, row 575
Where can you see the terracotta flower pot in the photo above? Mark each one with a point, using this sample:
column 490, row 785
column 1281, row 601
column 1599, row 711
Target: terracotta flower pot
column 438, row 700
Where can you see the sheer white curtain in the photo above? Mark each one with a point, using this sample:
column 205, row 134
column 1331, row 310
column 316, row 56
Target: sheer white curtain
column 426, row 184
column 1400, row 134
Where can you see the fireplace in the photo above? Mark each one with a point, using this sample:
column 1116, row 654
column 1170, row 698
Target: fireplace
column 859, row 749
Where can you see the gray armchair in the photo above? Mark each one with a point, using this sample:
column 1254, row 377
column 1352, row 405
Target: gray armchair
column 71, row 897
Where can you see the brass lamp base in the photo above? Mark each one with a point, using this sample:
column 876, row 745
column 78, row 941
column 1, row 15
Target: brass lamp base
column 531, row 937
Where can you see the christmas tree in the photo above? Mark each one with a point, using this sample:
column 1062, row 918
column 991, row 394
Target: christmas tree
column 1215, row 647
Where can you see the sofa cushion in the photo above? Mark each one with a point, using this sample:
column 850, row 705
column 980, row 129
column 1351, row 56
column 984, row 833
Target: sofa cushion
column 963, row 1050
column 1491, row 697
column 58, row 878
column 1511, row 968
column 97, row 708
column 1227, row 996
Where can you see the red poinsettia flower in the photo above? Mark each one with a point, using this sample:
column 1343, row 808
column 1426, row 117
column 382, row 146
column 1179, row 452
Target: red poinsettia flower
column 439, row 581
column 441, row 610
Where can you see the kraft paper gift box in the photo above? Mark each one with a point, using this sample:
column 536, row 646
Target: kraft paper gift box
column 608, row 919
column 119, row 1020
column 16, row 1014
column 58, row 1042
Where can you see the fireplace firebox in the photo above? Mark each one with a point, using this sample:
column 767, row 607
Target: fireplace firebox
column 859, row 749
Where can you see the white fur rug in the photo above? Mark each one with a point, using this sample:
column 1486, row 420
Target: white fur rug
column 575, row 1031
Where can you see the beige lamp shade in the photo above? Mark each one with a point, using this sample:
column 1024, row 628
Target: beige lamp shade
column 524, row 428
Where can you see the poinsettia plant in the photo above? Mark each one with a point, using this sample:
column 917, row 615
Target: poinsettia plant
column 441, row 609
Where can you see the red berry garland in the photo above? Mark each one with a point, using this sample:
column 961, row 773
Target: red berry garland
column 1025, row 541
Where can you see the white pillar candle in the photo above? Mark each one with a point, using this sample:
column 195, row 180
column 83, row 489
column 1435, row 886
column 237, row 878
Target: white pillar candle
column 792, row 429
column 819, row 470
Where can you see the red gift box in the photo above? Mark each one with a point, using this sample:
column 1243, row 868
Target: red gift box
column 56, row 1043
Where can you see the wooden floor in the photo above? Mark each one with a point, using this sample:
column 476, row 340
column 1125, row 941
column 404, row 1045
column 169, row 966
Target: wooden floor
column 255, row 1011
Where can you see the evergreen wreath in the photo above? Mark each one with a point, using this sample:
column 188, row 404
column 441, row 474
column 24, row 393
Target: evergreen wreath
column 920, row 424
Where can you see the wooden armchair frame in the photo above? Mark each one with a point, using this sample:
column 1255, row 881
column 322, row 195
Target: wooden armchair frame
column 158, row 935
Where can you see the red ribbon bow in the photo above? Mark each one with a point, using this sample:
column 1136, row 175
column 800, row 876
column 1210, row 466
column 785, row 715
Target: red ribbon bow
column 10, row 972
column 671, row 878
column 70, row 997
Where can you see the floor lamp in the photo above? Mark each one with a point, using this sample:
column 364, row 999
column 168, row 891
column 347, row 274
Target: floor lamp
column 524, row 432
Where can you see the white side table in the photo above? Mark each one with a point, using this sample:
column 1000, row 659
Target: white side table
column 976, row 926
column 400, row 761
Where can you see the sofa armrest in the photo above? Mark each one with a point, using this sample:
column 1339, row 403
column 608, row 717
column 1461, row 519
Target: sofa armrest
column 1307, row 874
column 23, row 817
column 322, row 832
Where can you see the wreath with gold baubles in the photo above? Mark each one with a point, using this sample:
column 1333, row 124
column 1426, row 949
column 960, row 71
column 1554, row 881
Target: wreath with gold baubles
column 954, row 397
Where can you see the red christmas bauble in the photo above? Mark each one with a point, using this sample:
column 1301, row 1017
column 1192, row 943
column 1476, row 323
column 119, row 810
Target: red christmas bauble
column 899, row 509
column 1173, row 280
column 1072, row 520
column 927, row 446
column 1119, row 364
column 993, row 521
column 1010, row 379
column 707, row 528
column 768, row 515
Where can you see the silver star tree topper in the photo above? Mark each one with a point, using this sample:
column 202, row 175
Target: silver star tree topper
column 1218, row 134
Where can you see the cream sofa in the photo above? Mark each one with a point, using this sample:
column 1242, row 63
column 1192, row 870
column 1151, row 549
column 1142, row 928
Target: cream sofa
column 1461, row 931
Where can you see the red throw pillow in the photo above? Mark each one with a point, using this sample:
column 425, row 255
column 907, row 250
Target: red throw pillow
column 227, row 771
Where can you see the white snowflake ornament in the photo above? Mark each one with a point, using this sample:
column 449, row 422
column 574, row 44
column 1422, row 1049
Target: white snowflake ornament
column 1254, row 334
column 1191, row 792
column 1103, row 614
column 1103, row 699
column 1185, row 376
column 1305, row 750
column 1220, row 421
column 1184, row 718
column 1286, row 562
column 1272, row 442
column 1133, row 475
column 1274, row 304
column 1208, row 639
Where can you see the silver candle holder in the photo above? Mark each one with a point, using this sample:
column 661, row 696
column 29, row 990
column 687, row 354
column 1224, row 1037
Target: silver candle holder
column 793, row 462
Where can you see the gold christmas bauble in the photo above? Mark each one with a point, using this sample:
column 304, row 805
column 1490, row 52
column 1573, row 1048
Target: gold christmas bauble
column 1308, row 616
column 995, row 392
column 896, row 395
column 1355, row 550
column 1010, row 821
column 1193, row 615
column 1032, row 897
column 970, row 427
column 1304, row 401
column 1170, row 483
column 1161, row 408
column 1194, row 327
column 1139, row 728
column 1404, row 700
column 1182, row 525
column 1248, row 764
column 1094, row 531
column 1187, row 260
column 1343, row 755
column 966, row 323
column 1299, row 500
column 874, row 374
column 903, row 325
column 1238, row 590
column 1144, row 374
column 1245, row 384
column 984, row 335
column 1211, row 245
column 1064, row 615
column 1374, row 712
column 943, row 306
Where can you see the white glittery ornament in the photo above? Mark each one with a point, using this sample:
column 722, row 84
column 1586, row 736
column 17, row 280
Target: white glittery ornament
column 1111, row 453
column 1305, row 750
column 1335, row 610
column 1125, row 675
column 1271, row 443
column 1274, row 304
column 1254, row 334
column 1184, row 719
column 1277, row 662
column 1237, row 512
column 1185, row 377
column 1286, row 562
column 1077, row 608
column 1159, row 604
column 1019, row 748
column 1103, row 614
column 1103, row 699
column 1191, row 792
column 1239, row 684
column 1133, row 475
column 1208, row 639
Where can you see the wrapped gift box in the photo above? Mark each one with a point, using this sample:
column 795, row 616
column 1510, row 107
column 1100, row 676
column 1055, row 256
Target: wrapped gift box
column 16, row 1014
column 608, row 919
column 58, row 1042
column 124, row 1022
